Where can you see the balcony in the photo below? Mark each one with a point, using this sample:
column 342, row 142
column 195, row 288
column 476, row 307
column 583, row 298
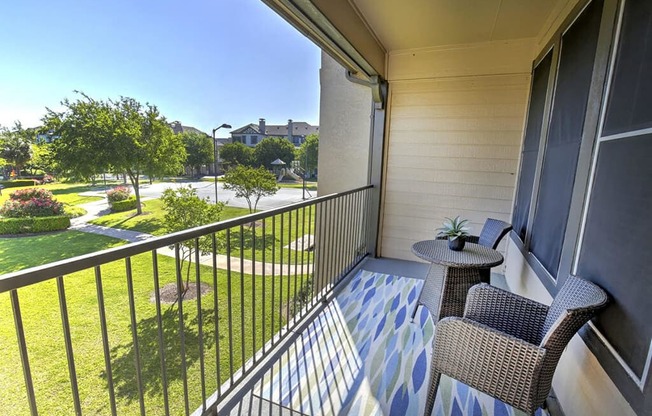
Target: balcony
column 323, row 331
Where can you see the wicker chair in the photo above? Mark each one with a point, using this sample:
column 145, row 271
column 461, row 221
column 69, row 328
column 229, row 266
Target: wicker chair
column 492, row 232
column 508, row 346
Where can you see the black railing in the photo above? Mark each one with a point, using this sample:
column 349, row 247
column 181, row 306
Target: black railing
column 245, row 284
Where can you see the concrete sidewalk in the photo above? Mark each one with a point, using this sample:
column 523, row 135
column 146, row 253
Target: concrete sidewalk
column 96, row 209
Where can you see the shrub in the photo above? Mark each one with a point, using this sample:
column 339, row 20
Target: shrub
column 125, row 205
column 32, row 202
column 119, row 193
column 29, row 193
column 48, row 179
column 33, row 225
column 18, row 183
column 72, row 211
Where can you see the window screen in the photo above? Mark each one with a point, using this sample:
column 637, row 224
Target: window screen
column 531, row 145
column 630, row 99
column 616, row 245
column 564, row 137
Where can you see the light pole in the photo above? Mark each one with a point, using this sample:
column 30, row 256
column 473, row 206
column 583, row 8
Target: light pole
column 226, row 126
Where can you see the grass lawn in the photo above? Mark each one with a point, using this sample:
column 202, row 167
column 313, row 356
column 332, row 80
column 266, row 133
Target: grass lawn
column 311, row 186
column 17, row 253
column 287, row 230
column 42, row 324
column 68, row 193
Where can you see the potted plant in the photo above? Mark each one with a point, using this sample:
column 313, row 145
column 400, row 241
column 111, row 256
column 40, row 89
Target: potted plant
column 456, row 231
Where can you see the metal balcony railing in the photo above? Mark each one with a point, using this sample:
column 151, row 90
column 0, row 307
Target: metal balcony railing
column 264, row 277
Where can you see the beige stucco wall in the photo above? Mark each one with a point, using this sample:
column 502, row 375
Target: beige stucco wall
column 344, row 129
column 456, row 122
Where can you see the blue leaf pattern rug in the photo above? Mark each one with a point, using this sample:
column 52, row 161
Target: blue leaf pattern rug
column 363, row 356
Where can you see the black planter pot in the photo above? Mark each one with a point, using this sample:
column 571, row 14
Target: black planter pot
column 456, row 244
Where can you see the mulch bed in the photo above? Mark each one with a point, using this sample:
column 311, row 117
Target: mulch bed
column 168, row 292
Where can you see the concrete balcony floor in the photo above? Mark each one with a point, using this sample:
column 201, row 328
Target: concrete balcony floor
column 362, row 355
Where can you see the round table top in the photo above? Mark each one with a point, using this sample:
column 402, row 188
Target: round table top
column 473, row 255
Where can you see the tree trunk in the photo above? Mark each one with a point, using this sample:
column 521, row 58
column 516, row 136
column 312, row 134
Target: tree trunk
column 134, row 178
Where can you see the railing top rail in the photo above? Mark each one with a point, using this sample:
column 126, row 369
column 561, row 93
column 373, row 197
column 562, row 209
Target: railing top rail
column 26, row 277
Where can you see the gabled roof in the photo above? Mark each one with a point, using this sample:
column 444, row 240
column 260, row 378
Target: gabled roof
column 178, row 128
column 243, row 129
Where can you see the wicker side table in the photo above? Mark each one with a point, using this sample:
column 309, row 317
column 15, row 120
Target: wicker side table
column 451, row 275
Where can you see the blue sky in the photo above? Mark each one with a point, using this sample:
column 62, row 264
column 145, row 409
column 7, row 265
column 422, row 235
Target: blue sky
column 202, row 62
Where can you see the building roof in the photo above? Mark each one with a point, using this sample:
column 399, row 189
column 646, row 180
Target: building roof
column 178, row 128
column 299, row 128
column 244, row 129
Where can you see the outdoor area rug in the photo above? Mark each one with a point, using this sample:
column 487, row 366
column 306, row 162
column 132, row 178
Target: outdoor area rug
column 363, row 356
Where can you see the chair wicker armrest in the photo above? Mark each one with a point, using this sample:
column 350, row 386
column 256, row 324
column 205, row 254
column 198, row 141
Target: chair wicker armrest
column 486, row 359
column 472, row 239
column 507, row 312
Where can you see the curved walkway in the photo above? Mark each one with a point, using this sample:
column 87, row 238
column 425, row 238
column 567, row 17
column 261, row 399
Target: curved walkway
column 96, row 209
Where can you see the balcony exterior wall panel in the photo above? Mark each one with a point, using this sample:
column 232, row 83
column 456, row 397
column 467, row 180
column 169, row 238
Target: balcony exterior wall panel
column 454, row 143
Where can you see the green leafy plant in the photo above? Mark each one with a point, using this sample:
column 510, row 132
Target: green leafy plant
column 454, row 228
column 184, row 209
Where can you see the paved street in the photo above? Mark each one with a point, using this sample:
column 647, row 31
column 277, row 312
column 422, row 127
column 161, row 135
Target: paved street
column 284, row 196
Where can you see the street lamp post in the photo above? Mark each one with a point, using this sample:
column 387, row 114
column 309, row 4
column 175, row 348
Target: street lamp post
column 226, row 126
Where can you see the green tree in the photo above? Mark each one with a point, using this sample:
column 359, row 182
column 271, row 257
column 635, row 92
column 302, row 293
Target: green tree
column 307, row 154
column 142, row 142
column 165, row 153
column 85, row 129
column 184, row 209
column 234, row 154
column 42, row 158
column 199, row 150
column 272, row 148
column 121, row 135
column 16, row 147
column 251, row 184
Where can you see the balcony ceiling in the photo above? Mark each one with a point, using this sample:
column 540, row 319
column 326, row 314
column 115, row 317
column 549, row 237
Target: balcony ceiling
column 408, row 24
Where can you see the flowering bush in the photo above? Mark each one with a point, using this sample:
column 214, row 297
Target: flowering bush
column 48, row 179
column 119, row 193
column 32, row 202
column 30, row 193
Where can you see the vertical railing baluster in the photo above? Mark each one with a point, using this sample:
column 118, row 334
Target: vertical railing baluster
column 229, row 300
column 350, row 210
column 253, row 288
column 368, row 216
column 22, row 347
column 331, row 243
column 217, row 320
column 340, row 239
column 242, row 299
column 322, row 239
column 134, row 335
column 200, row 326
column 161, row 339
column 272, row 305
column 70, row 356
column 351, row 218
column 182, row 327
column 264, row 284
column 280, row 309
column 303, row 247
column 296, row 257
column 311, row 253
column 358, row 225
column 289, row 268
column 356, row 214
column 105, row 340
